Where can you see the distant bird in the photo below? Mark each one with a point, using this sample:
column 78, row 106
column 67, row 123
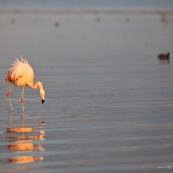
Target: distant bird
column 21, row 74
column 164, row 57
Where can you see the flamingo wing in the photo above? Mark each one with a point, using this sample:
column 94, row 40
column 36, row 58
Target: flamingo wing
column 20, row 73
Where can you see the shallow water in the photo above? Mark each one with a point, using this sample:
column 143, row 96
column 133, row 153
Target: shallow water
column 108, row 101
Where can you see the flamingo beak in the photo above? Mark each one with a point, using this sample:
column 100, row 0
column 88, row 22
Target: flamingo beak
column 42, row 101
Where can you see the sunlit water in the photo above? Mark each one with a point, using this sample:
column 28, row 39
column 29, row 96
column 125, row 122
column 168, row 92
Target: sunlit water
column 109, row 100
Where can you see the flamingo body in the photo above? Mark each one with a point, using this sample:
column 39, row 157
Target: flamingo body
column 21, row 74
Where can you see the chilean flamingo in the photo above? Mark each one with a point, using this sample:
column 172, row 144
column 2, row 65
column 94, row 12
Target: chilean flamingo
column 21, row 74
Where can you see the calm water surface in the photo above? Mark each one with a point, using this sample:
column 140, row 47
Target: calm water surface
column 85, row 3
column 108, row 101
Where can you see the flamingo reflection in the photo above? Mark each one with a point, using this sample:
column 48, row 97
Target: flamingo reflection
column 24, row 159
column 21, row 141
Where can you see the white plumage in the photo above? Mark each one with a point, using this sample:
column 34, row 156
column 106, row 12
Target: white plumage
column 21, row 74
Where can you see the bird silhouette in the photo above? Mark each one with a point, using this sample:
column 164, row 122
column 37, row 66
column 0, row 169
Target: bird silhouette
column 164, row 57
column 21, row 74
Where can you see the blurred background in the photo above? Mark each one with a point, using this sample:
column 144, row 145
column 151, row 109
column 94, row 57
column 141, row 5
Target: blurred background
column 86, row 4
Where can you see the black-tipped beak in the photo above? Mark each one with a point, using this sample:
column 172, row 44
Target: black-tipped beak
column 42, row 101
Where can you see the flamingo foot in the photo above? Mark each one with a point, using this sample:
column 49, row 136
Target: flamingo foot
column 8, row 94
column 22, row 100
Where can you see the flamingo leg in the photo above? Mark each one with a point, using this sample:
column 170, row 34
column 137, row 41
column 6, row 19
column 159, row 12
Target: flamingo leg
column 22, row 118
column 22, row 99
column 8, row 95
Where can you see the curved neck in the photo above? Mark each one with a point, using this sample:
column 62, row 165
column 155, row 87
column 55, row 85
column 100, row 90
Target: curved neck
column 36, row 85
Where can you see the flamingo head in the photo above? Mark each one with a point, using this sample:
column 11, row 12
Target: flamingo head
column 42, row 94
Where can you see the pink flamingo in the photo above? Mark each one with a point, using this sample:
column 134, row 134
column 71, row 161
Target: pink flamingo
column 21, row 74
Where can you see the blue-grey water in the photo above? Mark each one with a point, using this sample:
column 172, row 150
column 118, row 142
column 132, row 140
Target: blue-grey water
column 109, row 101
column 85, row 3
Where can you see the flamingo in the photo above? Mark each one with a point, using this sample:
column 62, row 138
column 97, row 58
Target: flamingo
column 21, row 74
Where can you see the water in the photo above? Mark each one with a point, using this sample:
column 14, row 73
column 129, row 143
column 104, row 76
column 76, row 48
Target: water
column 86, row 3
column 109, row 100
